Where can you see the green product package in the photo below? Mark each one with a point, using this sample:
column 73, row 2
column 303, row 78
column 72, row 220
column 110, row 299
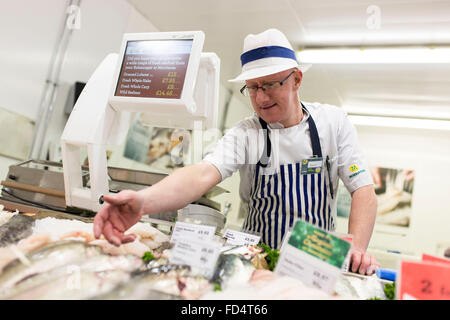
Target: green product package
column 319, row 243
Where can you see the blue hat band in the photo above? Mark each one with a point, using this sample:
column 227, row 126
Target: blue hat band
column 267, row 52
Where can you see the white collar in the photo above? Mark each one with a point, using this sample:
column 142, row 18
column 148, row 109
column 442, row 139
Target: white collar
column 278, row 125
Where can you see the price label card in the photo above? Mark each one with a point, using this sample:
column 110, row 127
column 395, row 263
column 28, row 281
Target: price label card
column 200, row 255
column 285, row 240
column 236, row 238
column 424, row 280
column 198, row 231
column 427, row 257
column 313, row 256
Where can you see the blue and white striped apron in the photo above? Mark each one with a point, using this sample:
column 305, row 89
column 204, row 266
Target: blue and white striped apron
column 279, row 199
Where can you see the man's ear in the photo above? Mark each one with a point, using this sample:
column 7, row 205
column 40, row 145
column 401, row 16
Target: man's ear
column 298, row 76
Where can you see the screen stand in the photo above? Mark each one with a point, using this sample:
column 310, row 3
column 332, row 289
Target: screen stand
column 91, row 125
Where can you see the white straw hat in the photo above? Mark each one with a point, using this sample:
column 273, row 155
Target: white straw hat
column 267, row 53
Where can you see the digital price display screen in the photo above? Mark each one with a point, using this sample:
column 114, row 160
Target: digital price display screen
column 154, row 68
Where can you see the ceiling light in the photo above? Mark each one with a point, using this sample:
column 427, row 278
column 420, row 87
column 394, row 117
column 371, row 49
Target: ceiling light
column 397, row 112
column 400, row 122
column 375, row 55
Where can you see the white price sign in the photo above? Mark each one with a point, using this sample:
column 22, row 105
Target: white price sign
column 313, row 256
column 236, row 238
column 198, row 231
column 306, row 268
column 200, row 255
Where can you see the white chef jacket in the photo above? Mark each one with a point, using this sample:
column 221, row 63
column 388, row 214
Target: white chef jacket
column 242, row 146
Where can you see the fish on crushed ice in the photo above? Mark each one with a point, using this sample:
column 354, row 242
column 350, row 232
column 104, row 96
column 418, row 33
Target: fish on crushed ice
column 53, row 255
column 148, row 235
column 75, row 285
column 232, row 269
column 108, row 247
column 265, row 285
column 176, row 281
column 366, row 287
column 105, row 262
column 136, row 247
column 33, row 242
column 261, row 275
column 134, row 290
column 6, row 215
column 58, row 228
column 78, row 235
column 164, row 282
column 17, row 228
column 149, row 270
column 140, row 287
column 98, row 263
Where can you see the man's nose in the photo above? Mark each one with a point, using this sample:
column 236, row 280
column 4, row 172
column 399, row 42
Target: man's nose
column 261, row 95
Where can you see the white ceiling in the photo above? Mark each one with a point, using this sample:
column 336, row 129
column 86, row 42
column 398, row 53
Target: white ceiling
column 326, row 23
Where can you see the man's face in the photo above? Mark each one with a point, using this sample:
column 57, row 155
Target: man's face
column 280, row 105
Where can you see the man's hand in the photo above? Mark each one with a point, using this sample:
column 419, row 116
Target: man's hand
column 121, row 211
column 362, row 262
column 360, row 224
column 176, row 191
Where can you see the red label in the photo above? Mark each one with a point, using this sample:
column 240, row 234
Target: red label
column 427, row 257
column 424, row 280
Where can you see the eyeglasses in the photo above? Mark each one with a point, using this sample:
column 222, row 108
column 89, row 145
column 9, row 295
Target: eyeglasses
column 267, row 88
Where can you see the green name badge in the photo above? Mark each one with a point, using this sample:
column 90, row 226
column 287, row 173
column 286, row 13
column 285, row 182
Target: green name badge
column 312, row 165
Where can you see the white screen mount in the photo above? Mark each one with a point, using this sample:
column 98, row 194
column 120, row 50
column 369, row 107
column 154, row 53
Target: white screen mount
column 163, row 75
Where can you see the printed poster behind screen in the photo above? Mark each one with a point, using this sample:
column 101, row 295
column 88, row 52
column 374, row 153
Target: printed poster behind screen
column 162, row 149
column 394, row 190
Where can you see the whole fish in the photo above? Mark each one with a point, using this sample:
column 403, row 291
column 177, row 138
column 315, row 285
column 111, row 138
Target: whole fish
column 232, row 269
column 98, row 263
column 135, row 290
column 54, row 255
column 75, row 285
column 17, row 228
column 103, row 262
column 140, row 286
column 169, row 282
column 177, row 280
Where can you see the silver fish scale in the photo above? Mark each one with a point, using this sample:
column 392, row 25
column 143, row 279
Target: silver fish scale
column 166, row 268
column 17, row 228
